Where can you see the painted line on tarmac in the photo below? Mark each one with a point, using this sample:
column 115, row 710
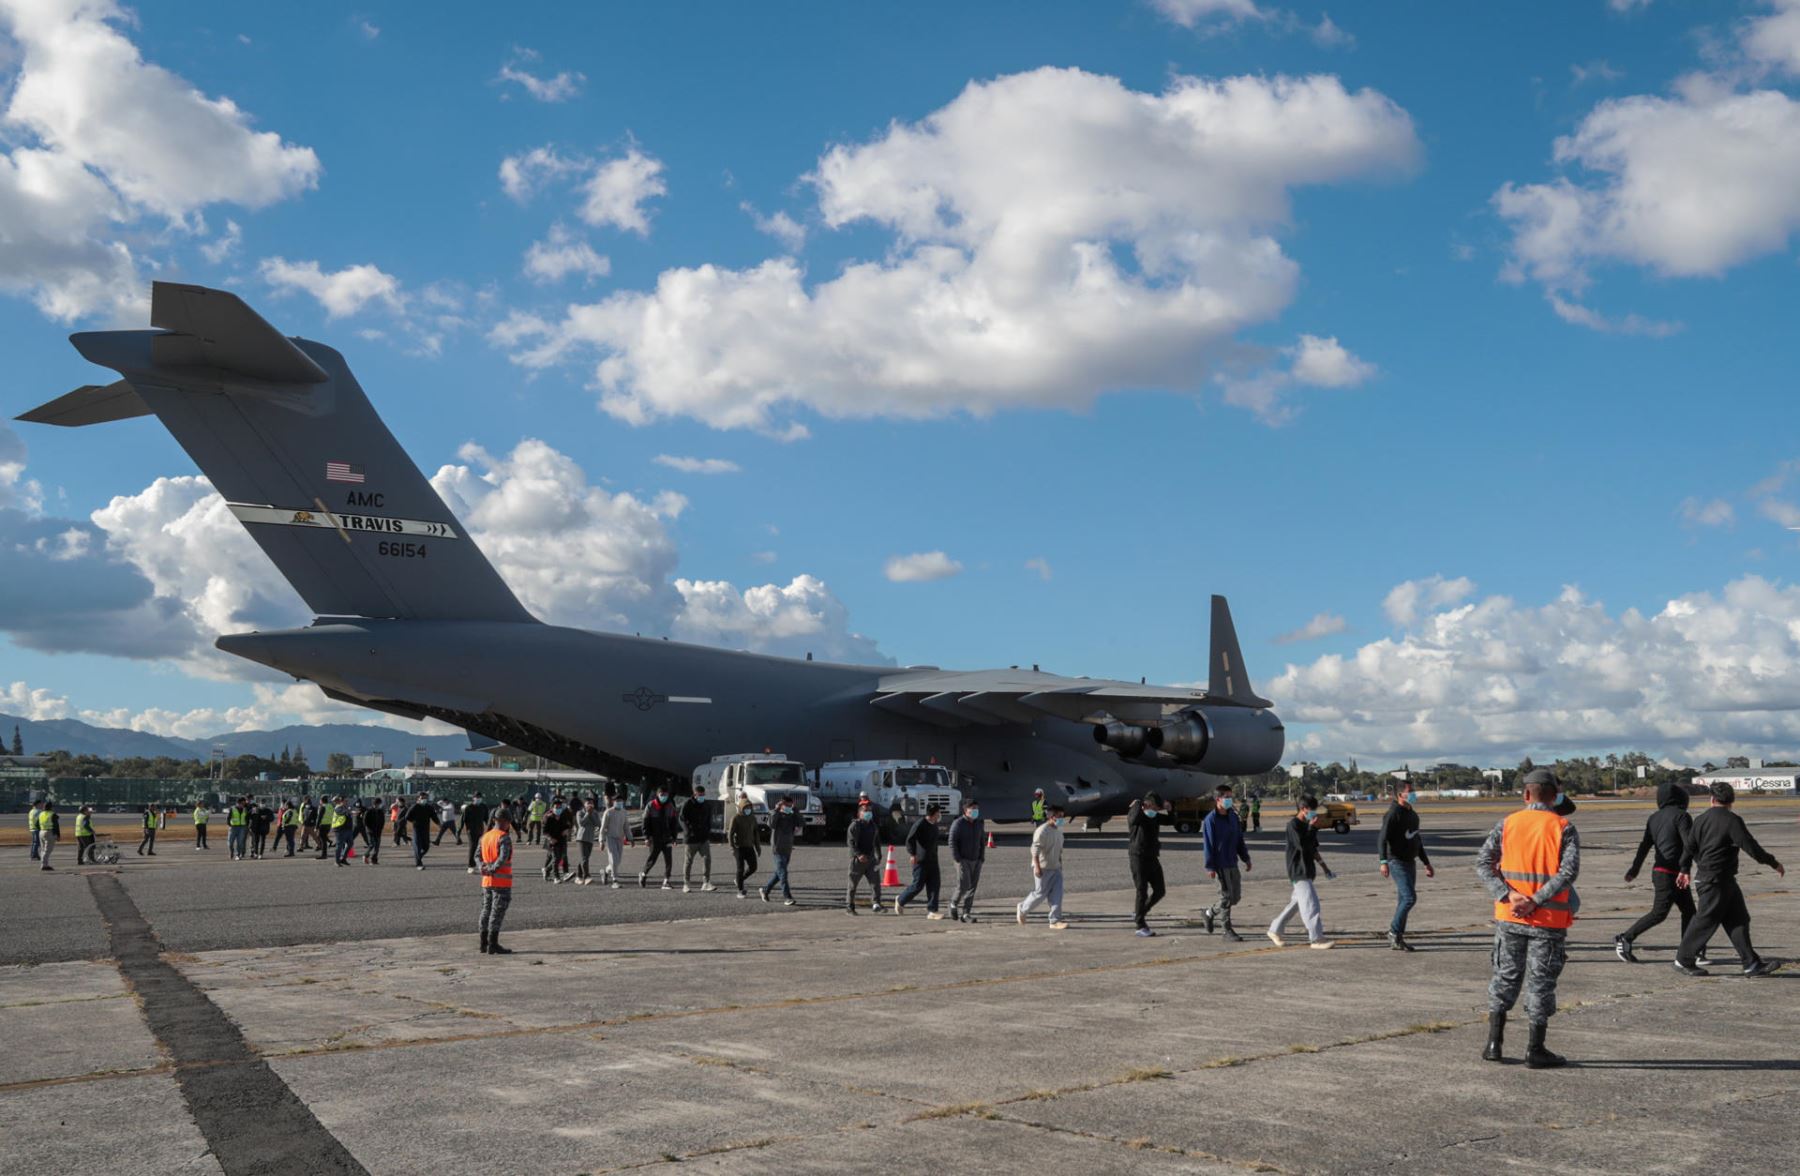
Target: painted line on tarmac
column 250, row 1119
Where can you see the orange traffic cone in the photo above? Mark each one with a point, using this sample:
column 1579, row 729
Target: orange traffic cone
column 990, row 844
column 891, row 875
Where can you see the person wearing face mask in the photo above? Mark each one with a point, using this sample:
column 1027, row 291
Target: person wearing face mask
column 587, row 832
column 1528, row 865
column 1144, row 850
column 1047, row 869
column 922, row 849
column 615, row 834
column 696, row 830
column 660, row 824
column 1222, row 848
column 864, row 840
column 741, row 836
column 1303, row 864
column 1666, row 832
column 1710, row 861
column 784, row 827
column 1402, row 853
column 968, row 849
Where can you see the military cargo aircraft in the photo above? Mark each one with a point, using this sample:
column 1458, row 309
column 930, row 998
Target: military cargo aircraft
column 413, row 620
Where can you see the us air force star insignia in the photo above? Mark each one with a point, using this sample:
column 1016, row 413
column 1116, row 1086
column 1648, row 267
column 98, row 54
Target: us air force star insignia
column 644, row 698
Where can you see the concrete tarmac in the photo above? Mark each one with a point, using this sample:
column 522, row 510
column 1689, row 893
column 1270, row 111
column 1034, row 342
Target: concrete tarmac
column 290, row 1016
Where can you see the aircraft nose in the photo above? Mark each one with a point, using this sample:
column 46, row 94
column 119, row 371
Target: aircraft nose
column 254, row 647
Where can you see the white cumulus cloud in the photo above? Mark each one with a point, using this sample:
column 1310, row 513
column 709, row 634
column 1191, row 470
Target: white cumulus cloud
column 1322, row 625
column 920, row 567
column 95, row 139
column 793, row 620
column 1055, row 235
column 341, row 292
column 619, row 188
column 1190, row 13
column 561, row 254
column 1407, row 600
column 1708, row 512
column 697, row 465
column 1709, row 674
column 558, row 87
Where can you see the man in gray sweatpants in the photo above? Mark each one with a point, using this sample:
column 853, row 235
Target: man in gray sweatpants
column 968, row 849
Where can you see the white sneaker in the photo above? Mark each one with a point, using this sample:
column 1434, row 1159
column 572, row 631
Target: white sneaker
column 615, row 885
column 934, row 914
column 1277, row 940
column 1321, row 945
column 709, row 886
column 1021, row 915
column 471, row 869
column 667, row 885
column 685, row 888
column 1059, row 926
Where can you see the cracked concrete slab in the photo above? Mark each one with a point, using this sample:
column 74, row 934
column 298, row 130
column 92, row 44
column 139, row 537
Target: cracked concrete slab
column 134, row 1126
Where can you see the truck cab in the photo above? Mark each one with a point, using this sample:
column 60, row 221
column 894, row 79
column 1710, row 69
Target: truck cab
column 765, row 778
column 899, row 790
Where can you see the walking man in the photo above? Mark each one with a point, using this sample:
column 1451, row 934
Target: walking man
column 784, row 826
column 1303, row 865
column 49, row 832
column 1710, row 862
column 474, row 824
column 615, row 832
column 420, row 814
column 922, row 850
column 291, row 816
column 1402, row 853
column 696, row 828
column 660, row 825
column 1256, row 814
column 237, row 829
column 260, row 820
column 446, row 822
column 374, row 818
column 864, row 840
column 148, row 840
column 1144, row 850
column 968, row 849
column 327, row 824
column 84, row 834
column 343, row 829
column 1047, row 869
column 534, row 831
column 31, row 823
column 1666, row 833
column 1222, row 848
column 742, row 839
column 1528, row 864
column 495, row 853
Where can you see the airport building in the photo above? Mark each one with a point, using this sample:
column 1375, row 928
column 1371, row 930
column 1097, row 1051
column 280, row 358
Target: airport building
column 1766, row 781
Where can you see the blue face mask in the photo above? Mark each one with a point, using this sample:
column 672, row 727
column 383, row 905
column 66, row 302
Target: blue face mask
column 1557, row 803
column 1225, row 802
column 868, row 816
column 974, row 814
column 1061, row 821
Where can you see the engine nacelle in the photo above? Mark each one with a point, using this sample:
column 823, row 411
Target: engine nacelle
column 1223, row 740
column 1128, row 739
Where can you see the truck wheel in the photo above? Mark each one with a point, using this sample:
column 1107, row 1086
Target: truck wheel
column 1341, row 827
column 1184, row 826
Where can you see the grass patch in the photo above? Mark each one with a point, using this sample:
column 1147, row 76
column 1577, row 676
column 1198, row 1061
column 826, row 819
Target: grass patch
column 725, row 1063
column 949, row 1112
column 1302, row 1048
column 1145, row 1074
column 1431, row 1027
column 1223, row 1063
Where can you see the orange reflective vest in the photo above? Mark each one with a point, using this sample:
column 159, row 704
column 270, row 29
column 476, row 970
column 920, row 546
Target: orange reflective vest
column 1530, row 852
column 490, row 853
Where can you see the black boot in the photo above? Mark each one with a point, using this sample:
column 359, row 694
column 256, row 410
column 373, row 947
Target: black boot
column 484, row 943
column 1536, row 1056
column 1209, row 916
column 494, row 947
column 1496, row 1038
column 1231, row 935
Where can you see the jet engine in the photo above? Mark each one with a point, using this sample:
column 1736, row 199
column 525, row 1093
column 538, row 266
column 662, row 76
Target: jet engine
column 1128, row 739
column 1223, row 740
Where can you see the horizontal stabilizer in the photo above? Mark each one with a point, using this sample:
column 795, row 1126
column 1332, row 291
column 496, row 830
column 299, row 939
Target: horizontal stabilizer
column 213, row 328
column 90, row 404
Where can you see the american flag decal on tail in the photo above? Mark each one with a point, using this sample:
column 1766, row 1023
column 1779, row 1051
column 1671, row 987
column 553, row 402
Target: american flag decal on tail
column 342, row 471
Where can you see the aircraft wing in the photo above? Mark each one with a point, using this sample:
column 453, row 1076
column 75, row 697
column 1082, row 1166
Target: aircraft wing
column 960, row 698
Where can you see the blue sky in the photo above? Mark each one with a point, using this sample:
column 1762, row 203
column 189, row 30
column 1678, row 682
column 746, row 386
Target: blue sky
column 1502, row 397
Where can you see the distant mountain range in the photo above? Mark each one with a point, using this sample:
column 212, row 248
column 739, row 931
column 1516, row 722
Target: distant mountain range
column 79, row 738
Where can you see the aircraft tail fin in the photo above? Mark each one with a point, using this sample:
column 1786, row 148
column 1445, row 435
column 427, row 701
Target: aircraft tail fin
column 285, row 433
column 1228, row 680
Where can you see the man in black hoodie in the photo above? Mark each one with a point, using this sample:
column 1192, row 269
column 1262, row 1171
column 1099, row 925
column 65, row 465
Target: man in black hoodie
column 1144, row 850
column 1711, row 858
column 1666, row 832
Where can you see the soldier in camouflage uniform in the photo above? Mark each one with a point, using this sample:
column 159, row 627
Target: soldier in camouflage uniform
column 1532, row 912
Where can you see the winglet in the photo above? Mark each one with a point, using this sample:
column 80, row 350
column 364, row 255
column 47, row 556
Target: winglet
column 1228, row 681
column 90, row 404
